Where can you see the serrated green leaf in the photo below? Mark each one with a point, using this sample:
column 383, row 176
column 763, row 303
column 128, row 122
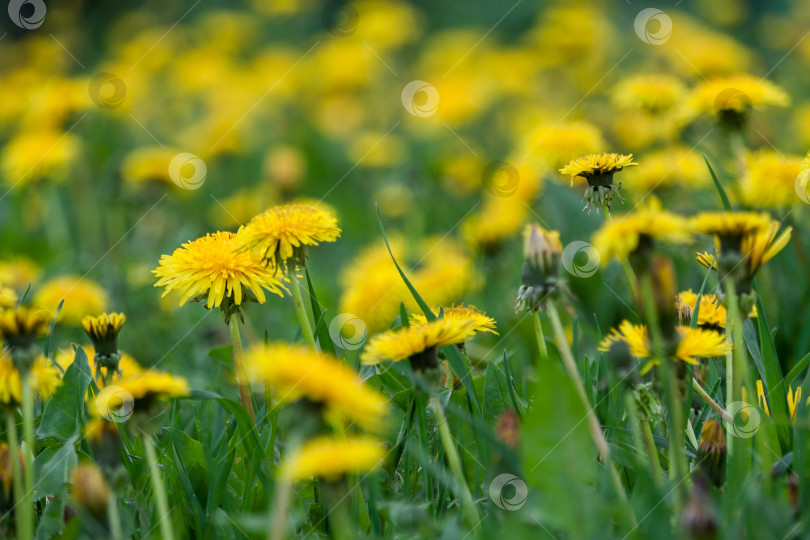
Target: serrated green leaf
column 65, row 410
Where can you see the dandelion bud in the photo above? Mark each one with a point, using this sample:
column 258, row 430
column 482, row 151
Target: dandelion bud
column 90, row 488
column 698, row 518
column 711, row 456
column 20, row 328
column 103, row 331
column 541, row 270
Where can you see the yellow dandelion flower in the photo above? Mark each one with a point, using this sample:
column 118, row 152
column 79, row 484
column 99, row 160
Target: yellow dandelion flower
column 18, row 273
column 497, row 220
column 150, row 384
column 733, row 97
column 398, row 345
column 712, row 313
column 82, row 297
column 43, row 378
column 211, row 265
column 297, row 372
column 597, row 166
column 7, row 297
column 148, row 164
column 653, row 93
column 694, row 343
column 770, row 179
column 675, row 167
column 331, row 458
column 283, row 232
column 730, row 224
column 23, row 324
column 37, row 154
column 103, row 330
column 559, row 143
column 623, row 235
column 482, row 323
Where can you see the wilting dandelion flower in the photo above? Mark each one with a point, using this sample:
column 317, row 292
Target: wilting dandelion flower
column 694, row 343
column 625, row 235
column 482, row 322
column 331, row 458
column 82, row 297
column 598, row 170
column 284, row 232
column 417, row 343
column 297, row 372
column 211, row 266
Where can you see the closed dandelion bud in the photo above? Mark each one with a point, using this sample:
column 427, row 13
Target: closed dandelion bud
column 20, row 328
column 698, row 518
column 508, row 429
column 540, row 275
column 711, row 456
column 90, row 489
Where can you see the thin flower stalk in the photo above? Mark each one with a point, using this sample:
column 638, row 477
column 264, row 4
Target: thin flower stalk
column 239, row 366
column 24, row 517
column 301, row 311
column 164, row 520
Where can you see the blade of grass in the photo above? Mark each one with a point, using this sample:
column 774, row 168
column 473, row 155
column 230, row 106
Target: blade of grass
column 321, row 328
column 797, row 369
column 718, row 185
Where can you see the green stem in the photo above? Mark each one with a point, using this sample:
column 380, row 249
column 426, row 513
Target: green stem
column 541, row 339
column 738, row 379
column 301, row 311
column 281, row 506
column 157, row 486
column 28, row 437
column 424, row 443
column 113, row 517
column 239, row 366
column 652, row 451
column 708, row 399
column 25, row 530
column 467, row 503
column 593, row 421
column 677, row 457
column 628, row 270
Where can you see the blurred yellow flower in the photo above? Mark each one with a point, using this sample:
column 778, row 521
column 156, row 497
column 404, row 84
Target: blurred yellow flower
column 655, row 94
column 737, row 94
column 677, row 167
column 792, row 397
column 332, row 458
column 127, row 365
column 147, row 164
column 19, row 272
column 770, row 179
column 37, row 154
column 82, row 297
column 25, row 322
column 146, row 386
column 211, row 265
column 482, row 323
column 694, row 50
column 560, row 143
column 408, row 342
column 7, row 297
column 43, row 377
column 297, row 372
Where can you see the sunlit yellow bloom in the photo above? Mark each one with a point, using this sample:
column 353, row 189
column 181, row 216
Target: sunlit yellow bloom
column 7, row 297
column 23, row 323
column 792, row 397
column 694, row 343
column 407, row 342
column 82, row 297
column 770, row 179
column 621, row 236
column 697, row 49
column 331, row 458
column 497, row 220
column 654, row 94
column 43, row 377
column 211, row 265
column 737, row 94
column 151, row 384
column 18, row 273
column 44, row 153
column 596, row 166
column 148, row 164
column 284, row 231
column 730, row 224
column 482, row 323
column 677, row 167
column 297, row 372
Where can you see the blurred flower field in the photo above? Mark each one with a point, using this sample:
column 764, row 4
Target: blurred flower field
column 390, row 269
